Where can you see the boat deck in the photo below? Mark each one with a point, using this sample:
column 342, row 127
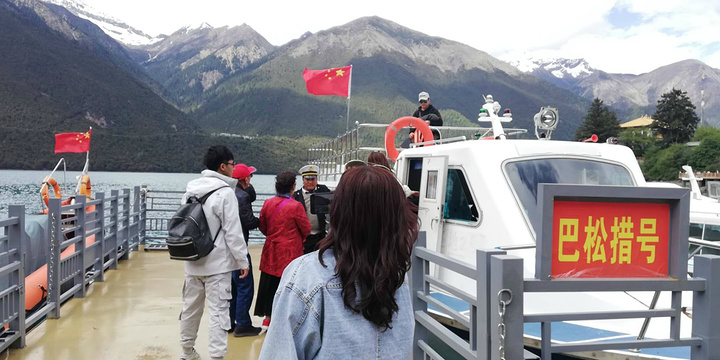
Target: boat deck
column 132, row 315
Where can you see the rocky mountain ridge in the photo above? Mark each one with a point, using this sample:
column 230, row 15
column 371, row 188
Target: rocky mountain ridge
column 634, row 95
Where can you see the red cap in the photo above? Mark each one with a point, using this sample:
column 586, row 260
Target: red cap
column 242, row 171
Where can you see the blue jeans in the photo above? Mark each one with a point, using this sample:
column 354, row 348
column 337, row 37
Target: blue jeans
column 242, row 292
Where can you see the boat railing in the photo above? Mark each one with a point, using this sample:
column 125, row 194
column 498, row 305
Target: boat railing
column 496, row 317
column 85, row 239
column 355, row 144
column 162, row 204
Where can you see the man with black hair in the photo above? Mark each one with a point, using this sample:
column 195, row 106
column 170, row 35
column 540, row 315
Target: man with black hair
column 210, row 277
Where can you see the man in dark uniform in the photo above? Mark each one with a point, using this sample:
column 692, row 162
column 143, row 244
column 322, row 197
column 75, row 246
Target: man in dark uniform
column 310, row 186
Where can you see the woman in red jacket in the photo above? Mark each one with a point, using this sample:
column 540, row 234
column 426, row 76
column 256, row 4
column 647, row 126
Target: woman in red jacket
column 285, row 225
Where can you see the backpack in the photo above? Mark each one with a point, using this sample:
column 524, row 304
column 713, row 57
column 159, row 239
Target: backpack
column 189, row 236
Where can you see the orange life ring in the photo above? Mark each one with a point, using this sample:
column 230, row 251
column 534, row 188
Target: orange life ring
column 85, row 186
column 400, row 123
column 46, row 184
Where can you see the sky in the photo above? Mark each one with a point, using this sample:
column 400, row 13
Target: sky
column 617, row 36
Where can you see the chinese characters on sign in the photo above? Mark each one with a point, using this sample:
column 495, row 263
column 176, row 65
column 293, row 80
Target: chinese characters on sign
column 602, row 239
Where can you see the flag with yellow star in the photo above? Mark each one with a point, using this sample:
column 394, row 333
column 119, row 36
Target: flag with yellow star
column 72, row 142
column 335, row 81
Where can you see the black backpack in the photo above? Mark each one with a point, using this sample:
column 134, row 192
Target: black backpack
column 189, row 236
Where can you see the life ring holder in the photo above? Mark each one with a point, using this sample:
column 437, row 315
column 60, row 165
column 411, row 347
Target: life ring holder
column 395, row 126
column 45, row 189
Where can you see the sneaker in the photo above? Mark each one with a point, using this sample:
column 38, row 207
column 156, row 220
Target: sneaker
column 192, row 356
column 246, row 331
column 266, row 323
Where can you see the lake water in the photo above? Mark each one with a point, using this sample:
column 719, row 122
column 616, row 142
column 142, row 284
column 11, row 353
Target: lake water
column 22, row 187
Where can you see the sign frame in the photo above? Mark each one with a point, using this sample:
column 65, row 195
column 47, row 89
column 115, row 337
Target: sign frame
column 677, row 198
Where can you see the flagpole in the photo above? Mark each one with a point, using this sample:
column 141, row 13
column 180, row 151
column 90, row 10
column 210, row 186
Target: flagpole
column 347, row 118
column 86, row 168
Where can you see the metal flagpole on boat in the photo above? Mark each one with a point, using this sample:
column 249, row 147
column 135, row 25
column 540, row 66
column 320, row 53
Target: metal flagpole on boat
column 86, row 168
column 347, row 118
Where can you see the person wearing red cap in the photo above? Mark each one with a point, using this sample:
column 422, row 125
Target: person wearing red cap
column 244, row 289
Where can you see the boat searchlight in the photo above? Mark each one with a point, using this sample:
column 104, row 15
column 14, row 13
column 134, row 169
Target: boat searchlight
column 547, row 120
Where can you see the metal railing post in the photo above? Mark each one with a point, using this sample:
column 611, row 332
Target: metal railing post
column 481, row 319
column 143, row 214
column 53, row 263
column 706, row 324
column 80, row 246
column 418, row 270
column 16, row 239
column 100, row 249
column 125, row 235
column 136, row 218
column 114, row 216
column 506, row 283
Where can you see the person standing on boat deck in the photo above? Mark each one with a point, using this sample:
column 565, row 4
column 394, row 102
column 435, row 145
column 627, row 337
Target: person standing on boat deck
column 351, row 298
column 285, row 225
column 244, row 288
column 210, row 277
column 310, row 186
column 377, row 158
column 429, row 113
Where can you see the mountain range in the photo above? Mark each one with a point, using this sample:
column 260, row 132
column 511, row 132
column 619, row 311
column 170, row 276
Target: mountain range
column 166, row 96
column 632, row 96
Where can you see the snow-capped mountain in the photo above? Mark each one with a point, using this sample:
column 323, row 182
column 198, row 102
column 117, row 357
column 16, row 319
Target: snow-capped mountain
column 630, row 95
column 558, row 67
column 115, row 28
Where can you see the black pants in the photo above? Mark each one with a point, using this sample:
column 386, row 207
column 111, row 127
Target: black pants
column 310, row 244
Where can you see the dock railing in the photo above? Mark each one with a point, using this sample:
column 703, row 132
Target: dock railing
column 162, row 204
column 496, row 316
column 113, row 227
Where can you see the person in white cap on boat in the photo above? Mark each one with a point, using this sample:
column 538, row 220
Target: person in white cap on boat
column 310, row 186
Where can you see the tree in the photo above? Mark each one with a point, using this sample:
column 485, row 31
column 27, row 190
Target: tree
column 637, row 139
column 664, row 164
column 706, row 156
column 675, row 117
column 599, row 121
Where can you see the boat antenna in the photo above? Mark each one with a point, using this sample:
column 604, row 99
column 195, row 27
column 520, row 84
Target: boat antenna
column 489, row 112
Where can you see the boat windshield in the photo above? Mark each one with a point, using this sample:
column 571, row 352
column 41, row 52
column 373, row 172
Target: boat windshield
column 527, row 174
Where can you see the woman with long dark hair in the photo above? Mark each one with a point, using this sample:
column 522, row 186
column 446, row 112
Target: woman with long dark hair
column 285, row 225
column 351, row 298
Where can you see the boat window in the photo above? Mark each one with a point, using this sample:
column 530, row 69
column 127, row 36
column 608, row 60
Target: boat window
column 525, row 176
column 710, row 233
column 459, row 204
column 696, row 230
column 415, row 174
column 431, row 188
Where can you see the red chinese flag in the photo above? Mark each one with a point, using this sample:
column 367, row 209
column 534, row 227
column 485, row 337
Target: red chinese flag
column 335, row 81
column 72, row 142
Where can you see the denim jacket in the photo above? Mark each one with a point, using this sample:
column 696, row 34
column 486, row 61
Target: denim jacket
column 310, row 320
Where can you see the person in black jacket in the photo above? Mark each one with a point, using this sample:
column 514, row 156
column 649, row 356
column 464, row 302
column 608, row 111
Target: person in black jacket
column 244, row 289
column 310, row 186
column 429, row 113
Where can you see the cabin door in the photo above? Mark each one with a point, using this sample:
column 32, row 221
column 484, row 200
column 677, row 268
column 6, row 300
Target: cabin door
column 432, row 199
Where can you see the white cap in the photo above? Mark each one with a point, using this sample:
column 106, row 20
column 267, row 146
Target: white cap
column 423, row 96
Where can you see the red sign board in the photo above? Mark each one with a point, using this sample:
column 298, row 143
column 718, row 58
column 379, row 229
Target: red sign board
column 610, row 240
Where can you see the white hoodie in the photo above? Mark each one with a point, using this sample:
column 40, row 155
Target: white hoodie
column 230, row 252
